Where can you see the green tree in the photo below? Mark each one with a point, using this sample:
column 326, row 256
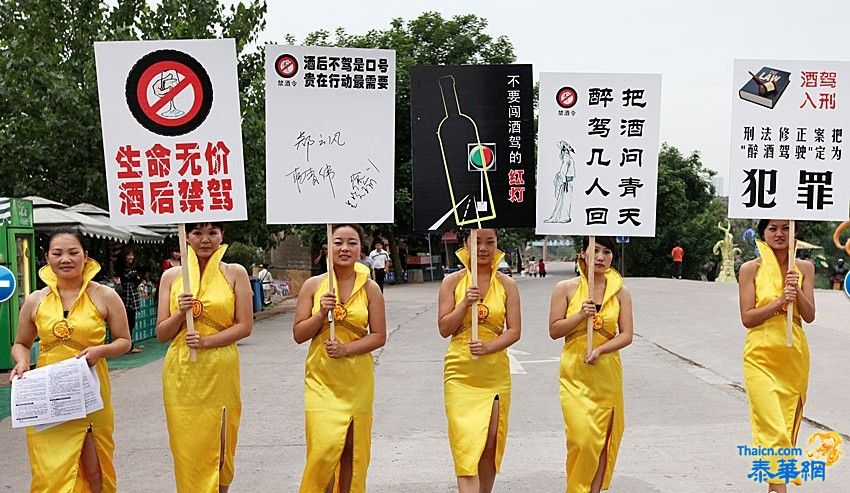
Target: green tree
column 50, row 134
column 687, row 211
column 429, row 39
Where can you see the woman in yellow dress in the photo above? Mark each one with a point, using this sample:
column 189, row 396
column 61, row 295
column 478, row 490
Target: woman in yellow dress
column 592, row 387
column 202, row 398
column 70, row 317
column 776, row 376
column 339, row 384
column 477, row 377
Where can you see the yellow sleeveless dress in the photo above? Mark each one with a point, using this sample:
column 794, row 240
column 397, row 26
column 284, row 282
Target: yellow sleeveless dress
column 592, row 395
column 471, row 385
column 776, row 376
column 196, row 394
column 55, row 452
column 338, row 393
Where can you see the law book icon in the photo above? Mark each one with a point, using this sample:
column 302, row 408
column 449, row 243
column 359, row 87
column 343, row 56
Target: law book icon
column 454, row 133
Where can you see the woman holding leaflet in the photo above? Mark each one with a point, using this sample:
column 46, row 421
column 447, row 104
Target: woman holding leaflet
column 339, row 384
column 592, row 386
column 70, row 317
column 477, row 377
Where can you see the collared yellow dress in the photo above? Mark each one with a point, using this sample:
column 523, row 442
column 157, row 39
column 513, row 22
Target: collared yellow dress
column 592, row 395
column 470, row 385
column 338, row 393
column 199, row 396
column 55, row 452
column 776, row 376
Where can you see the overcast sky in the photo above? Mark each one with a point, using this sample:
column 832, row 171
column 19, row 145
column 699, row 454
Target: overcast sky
column 692, row 44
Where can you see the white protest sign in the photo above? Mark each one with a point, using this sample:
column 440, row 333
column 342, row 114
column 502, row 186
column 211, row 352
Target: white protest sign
column 330, row 135
column 788, row 154
column 172, row 137
column 597, row 154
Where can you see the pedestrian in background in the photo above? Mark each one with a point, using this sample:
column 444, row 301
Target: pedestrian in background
column 321, row 260
column 173, row 259
column 129, row 290
column 678, row 254
column 541, row 268
column 380, row 259
column 838, row 274
column 266, row 280
column 532, row 267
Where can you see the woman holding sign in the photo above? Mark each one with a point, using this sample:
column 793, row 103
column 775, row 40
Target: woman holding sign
column 70, row 317
column 477, row 376
column 339, row 382
column 776, row 376
column 202, row 397
column 592, row 385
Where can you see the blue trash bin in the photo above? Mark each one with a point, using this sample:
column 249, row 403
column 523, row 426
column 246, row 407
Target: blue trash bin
column 257, row 288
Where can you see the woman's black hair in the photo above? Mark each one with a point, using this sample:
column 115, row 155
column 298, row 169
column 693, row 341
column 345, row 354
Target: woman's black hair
column 191, row 226
column 355, row 227
column 763, row 223
column 606, row 241
column 465, row 232
column 67, row 231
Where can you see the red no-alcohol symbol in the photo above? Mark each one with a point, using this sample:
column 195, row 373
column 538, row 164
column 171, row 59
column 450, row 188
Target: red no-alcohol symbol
column 286, row 66
column 566, row 97
column 169, row 92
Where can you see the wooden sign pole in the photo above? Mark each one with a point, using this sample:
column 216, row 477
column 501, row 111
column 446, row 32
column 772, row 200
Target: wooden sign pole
column 330, row 260
column 473, row 260
column 590, row 271
column 792, row 256
column 187, row 286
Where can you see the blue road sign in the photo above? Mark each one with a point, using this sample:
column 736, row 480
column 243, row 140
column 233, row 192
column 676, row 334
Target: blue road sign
column 7, row 284
column 622, row 239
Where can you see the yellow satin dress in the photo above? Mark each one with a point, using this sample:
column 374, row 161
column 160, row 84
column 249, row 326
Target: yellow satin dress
column 776, row 376
column 592, row 395
column 202, row 396
column 471, row 385
column 338, row 393
column 55, row 452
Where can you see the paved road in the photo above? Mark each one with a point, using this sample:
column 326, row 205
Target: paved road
column 685, row 410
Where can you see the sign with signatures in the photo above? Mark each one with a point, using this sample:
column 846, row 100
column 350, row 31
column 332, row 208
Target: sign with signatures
column 330, row 135
column 172, row 140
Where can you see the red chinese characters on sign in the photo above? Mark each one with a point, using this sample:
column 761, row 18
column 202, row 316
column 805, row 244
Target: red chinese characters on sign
column 197, row 187
column 220, row 194
column 129, row 163
column 516, row 194
column 516, row 181
column 132, row 198
column 159, row 160
column 216, row 156
column 823, row 100
column 188, row 155
column 162, row 197
column 516, row 177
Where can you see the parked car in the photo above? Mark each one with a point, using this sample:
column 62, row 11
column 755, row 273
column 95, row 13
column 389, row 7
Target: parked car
column 505, row 268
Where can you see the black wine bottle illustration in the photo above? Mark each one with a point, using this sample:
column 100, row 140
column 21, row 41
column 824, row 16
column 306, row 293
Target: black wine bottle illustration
column 472, row 198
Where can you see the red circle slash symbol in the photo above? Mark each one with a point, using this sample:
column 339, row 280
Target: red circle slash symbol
column 169, row 92
column 566, row 97
column 286, row 66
